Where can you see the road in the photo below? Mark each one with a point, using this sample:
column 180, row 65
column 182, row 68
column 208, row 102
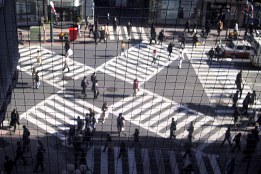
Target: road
column 197, row 92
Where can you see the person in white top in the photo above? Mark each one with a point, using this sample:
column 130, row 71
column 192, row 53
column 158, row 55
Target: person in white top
column 236, row 27
column 181, row 57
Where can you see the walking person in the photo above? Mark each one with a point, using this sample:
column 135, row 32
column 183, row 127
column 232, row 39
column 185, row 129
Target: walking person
column 173, row 128
column 71, row 134
column 211, row 54
column 136, row 140
column 129, row 29
column 106, row 30
column 253, row 98
column 123, row 46
column 102, row 35
column 239, row 83
column 96, row 92
column 187, row 26
column 236, row 115
column 66, row 46
column 8, row 165
column 86, row 22
column 237, row 140
column 115, row 25
column 93, row 120
column 182, row 40
column 219, row 27
column 227, row 138
column 39, row 58
column 108, row 142
column 246, row 103
column 181, row 57
column 91, row 27
column 207, row 28
column 87, row 138
column 14, row 119
column 123, row 150
column 93, row 80
column 120, row 123
column 79, row 125
column 161, row 37
column 33, row 76
column 19, row 154
column 170, row 49
column 84, row 85
column 153, row 37
column 194, row 40
column 37, row 80
column 154, row 56
column 191, row 129
column 195, row 26
column 39, row 158
column 235, row 99
column 135, row 87
column 66, row 64
column 26, row 139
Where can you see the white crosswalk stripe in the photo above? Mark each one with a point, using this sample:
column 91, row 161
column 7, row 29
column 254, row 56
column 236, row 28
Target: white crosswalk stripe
column 51, row 69
column 154, row 113
column 138, row 33
column 54, row 114
column 138, row 63
column 152, row 161
column 218, row 79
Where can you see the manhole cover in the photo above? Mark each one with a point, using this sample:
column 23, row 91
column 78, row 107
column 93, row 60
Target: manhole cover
column 111, row 89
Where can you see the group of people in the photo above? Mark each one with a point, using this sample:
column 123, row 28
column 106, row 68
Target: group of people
column 94, row 86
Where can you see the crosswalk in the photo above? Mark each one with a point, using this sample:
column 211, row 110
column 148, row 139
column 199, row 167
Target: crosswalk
column 52, row 64
column 149, row 161
column 136, row 62
column 218, row 80
column 55, row 114
column 154, row 113
column 137, row 33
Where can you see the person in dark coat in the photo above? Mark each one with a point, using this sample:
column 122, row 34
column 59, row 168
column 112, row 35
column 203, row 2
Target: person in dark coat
column 237, row 140
column 122, row 150
column 14, row 119
column 115, row 25
column 161, row 37
column 170, row 49
column 108, row 142
column 102, row 35
column 236, row 115
column 93, row 80
column 194, row 40
column 211, row 54
column 253, row 97
column 227, row 137
column 84, row 84
column 238, row 83
column 71, row 134
column 66, row 46
column 235, row 99
column 88, row 138
column 26, row 139
column 120, row 123
column 8, row 165
column 136, row 140
column 246, row 103
column 129, row 28
column 153, row 37
column 91, row 28
column 187, row 26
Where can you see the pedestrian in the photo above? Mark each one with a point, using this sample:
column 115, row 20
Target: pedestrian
column 136, row 140
column 84, row 85
column 90, row 27
column 122, row 150
column 129, row 29
column 79, row 29
column 104, row 106
column 195, row 26
column 39, row 58
column 173, row 128
column 236, row 115
column 106, row 30
column 246, row 103
column 135, row 87
column 182, row 40
column 219, row 27
column 86, row 22
column 37, row 80
column 236, row 27
column 19, row 154
column 96, row 92
column 191, row 129
column 93, row 80
column 207, row 27
column 93, row 120
column 170, row 49
column 14, row 119
column 154, row 56
column 87, row 138
column 161, row 37
column 102, row 35
column 33, row 76
column 153, row 37
column 235, row 99
column 39, row 158
column 79, row 125
column 187, row 26
column 231, row 166
column 71, row 134
column 238, row 83
column 187, row 146
column 108, row 142
column 96, row 36
column 219, row 52
column 77, row 144
column 26, row 139
column 211, row 54
column 66, row 64
column 66, row 46
column 227, row 137
column 123, row 46
column 253, row 98
column 115, row 25
column 237, row 140
column 152, row 29
column 195, row 40
column 120, row 123
column 8, row 165
column 181, row 57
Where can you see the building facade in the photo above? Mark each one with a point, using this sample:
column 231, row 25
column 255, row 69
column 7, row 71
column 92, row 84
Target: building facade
column 9, row 55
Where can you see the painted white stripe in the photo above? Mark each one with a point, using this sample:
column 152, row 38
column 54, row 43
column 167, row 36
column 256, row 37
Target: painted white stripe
column 173, row 163
column 214, row 164
column 132, row 161
column 117, row 161
column 145, row 161
column 104, row 162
